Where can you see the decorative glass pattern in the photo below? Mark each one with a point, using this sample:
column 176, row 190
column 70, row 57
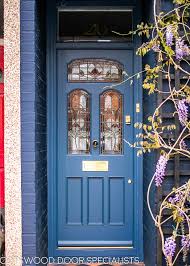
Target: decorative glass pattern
column 78, row 122
column 94, row 70
column 111, row 122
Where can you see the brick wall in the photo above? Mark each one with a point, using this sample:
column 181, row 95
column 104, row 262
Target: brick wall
column 33, row 123
column 41, row 132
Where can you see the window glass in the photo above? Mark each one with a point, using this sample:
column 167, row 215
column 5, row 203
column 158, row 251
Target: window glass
column 94, row 70
column 111, row 122
column 94, row 26
column 78, row 122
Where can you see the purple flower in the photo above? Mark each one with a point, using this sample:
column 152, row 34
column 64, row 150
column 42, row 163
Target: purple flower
column 169, row 36
column 177, row 198
column 185, row 242
column 171, row 200
column 169, row 247
column 183, row 145
column 181, row 214
column 182, row 111
column 160, row 170
column 181, row 49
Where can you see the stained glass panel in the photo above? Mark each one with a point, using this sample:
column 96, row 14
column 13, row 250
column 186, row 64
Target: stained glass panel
column 111, row 122
column 94, row 70
column 78, row 122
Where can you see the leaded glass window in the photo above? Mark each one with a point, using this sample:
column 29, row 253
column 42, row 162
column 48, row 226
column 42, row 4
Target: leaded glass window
column 111, row 122
column 94, row 70
column 78, row 122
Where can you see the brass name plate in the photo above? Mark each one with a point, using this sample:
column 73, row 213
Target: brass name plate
column 95, row 166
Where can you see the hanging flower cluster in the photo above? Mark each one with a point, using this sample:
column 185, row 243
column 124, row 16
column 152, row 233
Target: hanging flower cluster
column 181, row 49
column 182, row 111
column 185, row 242
column 160, row 170
column 169, row 36
column 177, row 198
column 169, row 247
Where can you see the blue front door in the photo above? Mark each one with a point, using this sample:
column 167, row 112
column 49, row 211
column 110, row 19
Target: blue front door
column 95, row 178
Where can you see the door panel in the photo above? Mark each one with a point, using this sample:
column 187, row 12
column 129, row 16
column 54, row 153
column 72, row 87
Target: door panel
column 94, row 208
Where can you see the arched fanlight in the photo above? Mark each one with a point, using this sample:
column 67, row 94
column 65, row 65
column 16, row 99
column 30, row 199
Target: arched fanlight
column 95, row 70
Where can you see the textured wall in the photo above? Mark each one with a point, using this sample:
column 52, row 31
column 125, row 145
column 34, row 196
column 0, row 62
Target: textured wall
column 33, row 135
column 149, row 160
column 41, row 134
column 28, row 127
column 12, row 133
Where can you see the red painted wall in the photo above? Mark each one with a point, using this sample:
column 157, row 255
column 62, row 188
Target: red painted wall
column 2, row 200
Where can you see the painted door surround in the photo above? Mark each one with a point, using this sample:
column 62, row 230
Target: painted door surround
column 112, row 239
column 55, row 248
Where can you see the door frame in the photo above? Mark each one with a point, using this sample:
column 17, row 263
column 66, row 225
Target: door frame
column 52, row 48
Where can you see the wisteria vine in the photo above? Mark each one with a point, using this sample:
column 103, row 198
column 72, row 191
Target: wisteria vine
column 168, row 38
